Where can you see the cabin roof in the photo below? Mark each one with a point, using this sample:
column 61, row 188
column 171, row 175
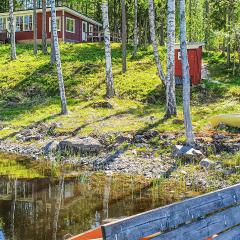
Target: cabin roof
column 191, row 45
column 66, row 9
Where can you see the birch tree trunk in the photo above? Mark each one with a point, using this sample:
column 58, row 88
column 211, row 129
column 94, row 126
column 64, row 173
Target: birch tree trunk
column 170, row 78
column 35, row 27
column 12, row 31
column 44, row 31
column 185, row 75
column 124, row 37
column 154, row 40
column 108, row 56
column 53, row 59
column 58, row 59
column 58, row 203
column 229, row 39
column 135, row 42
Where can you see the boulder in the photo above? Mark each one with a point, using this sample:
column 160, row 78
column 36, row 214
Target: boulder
column 81, row 145
column 206, row 163
column 187, row 152
column 51, row 147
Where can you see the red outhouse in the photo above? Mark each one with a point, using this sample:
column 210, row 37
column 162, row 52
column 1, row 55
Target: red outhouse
column 195, row 62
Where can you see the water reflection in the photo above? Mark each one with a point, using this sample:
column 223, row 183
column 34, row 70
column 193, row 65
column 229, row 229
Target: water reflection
column 50, row 208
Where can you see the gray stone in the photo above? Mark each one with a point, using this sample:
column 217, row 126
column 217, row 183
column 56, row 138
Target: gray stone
column 81, row 145
column 206, row 163
column 187, row 152
column 51, row 147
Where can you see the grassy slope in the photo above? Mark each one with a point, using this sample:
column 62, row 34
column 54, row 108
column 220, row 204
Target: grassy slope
column 140, row 101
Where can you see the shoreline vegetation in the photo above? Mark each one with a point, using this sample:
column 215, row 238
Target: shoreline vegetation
column 127, row 134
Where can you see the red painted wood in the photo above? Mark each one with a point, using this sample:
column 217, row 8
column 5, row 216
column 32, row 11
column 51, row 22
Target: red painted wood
column 69, row 37
column 89, row 235
column 195, row 64
column 77, row 36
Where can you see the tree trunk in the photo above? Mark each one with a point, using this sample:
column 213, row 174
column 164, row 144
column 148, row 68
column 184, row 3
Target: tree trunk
column 35, row 27
column 58, row 59
column 115, row 39
column 124, row 38
column 44, row 31
column 228, row 39
column 162, row 33
column 154, row 41
column 108, row 56
column 53, row 59
column 135, row 42
column 170, row 79
column 58, row 203
column 185, row 76
column 12, row 31
column 190, row 17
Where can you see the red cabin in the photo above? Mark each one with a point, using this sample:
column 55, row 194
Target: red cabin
column 195, row 63
column 72, row 26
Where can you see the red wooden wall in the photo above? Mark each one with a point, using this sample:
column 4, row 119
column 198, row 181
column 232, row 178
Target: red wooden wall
column 68, row 36
column 195, row 64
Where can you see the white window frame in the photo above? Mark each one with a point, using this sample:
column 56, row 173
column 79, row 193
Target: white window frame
column 58, row 18
column 20, row 16
column 179, row 56
column 74, row 24
column 90, row 29
column 4, row 24
column 25, row 15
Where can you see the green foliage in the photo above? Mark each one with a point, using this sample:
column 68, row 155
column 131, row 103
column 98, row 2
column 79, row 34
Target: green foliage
column 29, row 88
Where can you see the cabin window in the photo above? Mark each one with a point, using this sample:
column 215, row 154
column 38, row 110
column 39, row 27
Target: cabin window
column 70, row 25
column 90, row 30
column 58, row 24
column 19, row 23
column 28, row 23
column 3, row 25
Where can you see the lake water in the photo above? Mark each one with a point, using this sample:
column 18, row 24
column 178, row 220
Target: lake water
column 36, row 207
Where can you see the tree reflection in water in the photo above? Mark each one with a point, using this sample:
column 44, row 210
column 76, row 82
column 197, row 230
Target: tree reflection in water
column 50, row 208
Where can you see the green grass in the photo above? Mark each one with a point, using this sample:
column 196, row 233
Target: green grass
column 29, row 92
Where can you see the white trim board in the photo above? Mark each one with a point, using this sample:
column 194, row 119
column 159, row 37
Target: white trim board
column 190, row 45
column 65, row 9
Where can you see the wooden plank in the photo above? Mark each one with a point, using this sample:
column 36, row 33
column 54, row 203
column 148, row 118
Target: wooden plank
column 169, row 217
column 233, row 234
column 206, row 227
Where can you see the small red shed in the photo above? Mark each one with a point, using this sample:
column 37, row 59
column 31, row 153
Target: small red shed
column 195, row 62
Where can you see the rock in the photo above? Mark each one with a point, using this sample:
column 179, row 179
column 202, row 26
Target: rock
column 81, row 145
column 206, row 163
column 178, row 121
column 102, row 104
column 123, row 138
column 51, row 147
column 187, row 152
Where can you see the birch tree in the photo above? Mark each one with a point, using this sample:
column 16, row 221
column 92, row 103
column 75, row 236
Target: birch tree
column 109, row 74
column 185, row 75
column 35, row 27
column 124, row 37
column 58, row 59
column 44, row 31
column 154, row 41
column 135, row 38
column 12, row 31
column 170, row 78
